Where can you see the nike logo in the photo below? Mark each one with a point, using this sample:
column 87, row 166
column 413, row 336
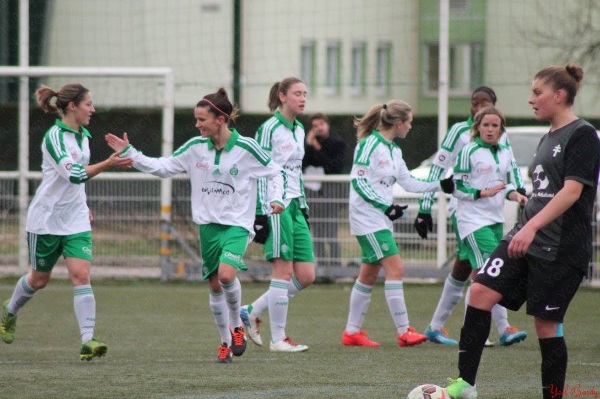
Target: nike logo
column 552, row 308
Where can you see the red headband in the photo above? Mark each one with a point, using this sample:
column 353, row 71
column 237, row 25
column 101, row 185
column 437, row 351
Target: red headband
column 215, row 107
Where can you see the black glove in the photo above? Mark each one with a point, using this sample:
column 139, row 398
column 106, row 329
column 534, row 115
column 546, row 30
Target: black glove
column 261, row 228
column 447, row 185
column 395, row 211
column 305, row 213
column 423, row 223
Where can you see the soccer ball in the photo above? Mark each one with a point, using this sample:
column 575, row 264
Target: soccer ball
column 428, row 391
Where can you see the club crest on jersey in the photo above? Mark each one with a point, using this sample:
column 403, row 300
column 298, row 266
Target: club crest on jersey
column 556, row 150
column 442, row 158
column 234, row 170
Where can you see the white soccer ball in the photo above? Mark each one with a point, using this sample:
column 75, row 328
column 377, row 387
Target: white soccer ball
column 428, row 391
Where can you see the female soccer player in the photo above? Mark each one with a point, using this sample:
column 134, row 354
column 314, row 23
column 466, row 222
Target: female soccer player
column 457, row 137
column 59, row 220
column 544, row 258
column 377, row 166
column 223, row 168
column 287, row 239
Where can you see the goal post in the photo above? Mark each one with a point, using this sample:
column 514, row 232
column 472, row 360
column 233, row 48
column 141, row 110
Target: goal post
column 24, row 174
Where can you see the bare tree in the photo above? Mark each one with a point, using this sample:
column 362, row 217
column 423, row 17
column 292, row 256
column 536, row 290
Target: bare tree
column 574, row 33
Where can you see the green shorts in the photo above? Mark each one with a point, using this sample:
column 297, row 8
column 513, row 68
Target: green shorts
column 222, row 244
column 289, row 236
column 480, row 244
column 376, row 246
column 45, row 249
column 461, row 249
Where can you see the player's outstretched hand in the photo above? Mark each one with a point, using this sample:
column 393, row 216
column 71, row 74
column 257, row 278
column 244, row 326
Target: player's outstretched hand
column 261, row 229
column 423, row 224
column 116, row 161
column 395, row 211
column 490, row 192
column 115, row 142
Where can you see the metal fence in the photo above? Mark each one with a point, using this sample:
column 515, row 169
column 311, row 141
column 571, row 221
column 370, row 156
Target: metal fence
column 127, row 232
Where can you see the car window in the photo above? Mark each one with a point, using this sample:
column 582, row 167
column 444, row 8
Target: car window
column 523, row 146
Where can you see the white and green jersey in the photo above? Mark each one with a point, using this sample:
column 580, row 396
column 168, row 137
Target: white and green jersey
column 59, row 206
column 223, row 181
column 456, row 138
column 284, row 142
column 377, row 166
column 481, row 166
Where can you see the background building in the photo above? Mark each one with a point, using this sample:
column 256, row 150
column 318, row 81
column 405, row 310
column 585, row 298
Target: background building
column 351, row 53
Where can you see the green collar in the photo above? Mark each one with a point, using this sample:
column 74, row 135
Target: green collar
column 289, row 125
column 82, row 131
column 385, row 141
column 230, row 143
column 470, row 121
column 486, row 145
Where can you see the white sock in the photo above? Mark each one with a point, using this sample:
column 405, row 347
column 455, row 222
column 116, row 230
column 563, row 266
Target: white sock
column 233, row 296
column 220, row 312
column 500, row 318
column 451, row 294
column 360, row 298
column 260, row 305
column 294, row 287
column 85, row 311
column 21, row 294
column 394, row 295
column 278, row 308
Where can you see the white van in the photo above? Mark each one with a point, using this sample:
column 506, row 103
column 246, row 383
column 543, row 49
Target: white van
column 523, row 140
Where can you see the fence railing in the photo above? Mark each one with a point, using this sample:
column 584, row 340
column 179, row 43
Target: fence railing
column 127, row 230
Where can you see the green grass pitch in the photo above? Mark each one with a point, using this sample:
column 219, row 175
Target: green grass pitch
column 162, row 344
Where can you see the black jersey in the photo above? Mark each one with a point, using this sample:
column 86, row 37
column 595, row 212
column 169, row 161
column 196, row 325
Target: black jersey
column 569, row 153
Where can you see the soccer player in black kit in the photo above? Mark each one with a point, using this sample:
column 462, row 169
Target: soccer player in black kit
column 544, row 258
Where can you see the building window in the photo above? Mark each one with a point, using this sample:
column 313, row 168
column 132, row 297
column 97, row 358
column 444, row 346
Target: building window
column 308, row 64
column 358, row 68
column 459, row 5
column 465, row 68
column 333, row 63
column 383, row 68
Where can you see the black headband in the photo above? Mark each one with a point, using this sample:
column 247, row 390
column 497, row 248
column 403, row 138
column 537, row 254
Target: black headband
column 488, row 90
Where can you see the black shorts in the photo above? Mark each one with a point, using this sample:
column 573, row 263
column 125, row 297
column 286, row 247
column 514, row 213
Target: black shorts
column 547, row 286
